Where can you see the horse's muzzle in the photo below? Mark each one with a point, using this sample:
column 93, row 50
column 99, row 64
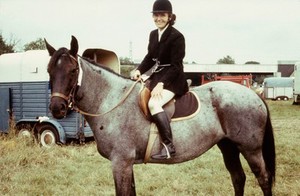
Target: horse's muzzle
column 58, row 109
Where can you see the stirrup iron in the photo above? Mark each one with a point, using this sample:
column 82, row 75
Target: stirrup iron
column 167, row 150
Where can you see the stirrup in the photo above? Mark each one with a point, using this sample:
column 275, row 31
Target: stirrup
column 167, row 150
column 165, row 153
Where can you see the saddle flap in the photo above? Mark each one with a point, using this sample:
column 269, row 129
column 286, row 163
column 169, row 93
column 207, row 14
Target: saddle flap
column 144, row 97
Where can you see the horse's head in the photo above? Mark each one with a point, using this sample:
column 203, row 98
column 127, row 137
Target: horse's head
column 63, row 70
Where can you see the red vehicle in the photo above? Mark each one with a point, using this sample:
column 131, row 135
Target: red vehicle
column 245, row 80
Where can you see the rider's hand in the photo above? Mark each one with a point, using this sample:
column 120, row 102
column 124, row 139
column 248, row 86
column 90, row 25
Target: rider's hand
column 136, row 75
column 157, row 90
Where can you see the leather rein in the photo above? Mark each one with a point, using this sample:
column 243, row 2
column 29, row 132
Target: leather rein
column 70, row 99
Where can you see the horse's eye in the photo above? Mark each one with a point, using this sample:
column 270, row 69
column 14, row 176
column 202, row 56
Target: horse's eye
column 74, row 71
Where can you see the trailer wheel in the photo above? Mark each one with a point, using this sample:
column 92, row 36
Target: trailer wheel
column 24, row 131
column 48, row 135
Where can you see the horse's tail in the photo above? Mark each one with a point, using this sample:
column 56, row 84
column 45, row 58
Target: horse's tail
column 269, row 148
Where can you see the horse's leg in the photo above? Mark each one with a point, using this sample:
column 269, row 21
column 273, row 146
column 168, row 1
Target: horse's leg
column 123, row 177
column 257, row 164
column 233, row 165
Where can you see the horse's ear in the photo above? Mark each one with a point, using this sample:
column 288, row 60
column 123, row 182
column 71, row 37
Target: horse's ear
column 50, row 49
column 74, row 46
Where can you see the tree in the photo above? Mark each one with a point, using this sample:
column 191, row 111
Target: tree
column 226, row 60
column 126, row 61
column 252, row 62
column 39, row 44
column 6, row 47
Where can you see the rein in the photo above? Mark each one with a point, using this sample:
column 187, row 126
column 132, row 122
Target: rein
column 120, row 102
column 70, row 98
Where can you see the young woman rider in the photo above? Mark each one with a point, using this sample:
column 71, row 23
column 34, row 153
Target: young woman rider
column 166, row 50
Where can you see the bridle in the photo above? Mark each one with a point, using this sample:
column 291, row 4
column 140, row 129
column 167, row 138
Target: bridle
column 70, row 99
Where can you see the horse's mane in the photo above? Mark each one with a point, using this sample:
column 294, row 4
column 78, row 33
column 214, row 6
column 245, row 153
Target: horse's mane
column 94, row 64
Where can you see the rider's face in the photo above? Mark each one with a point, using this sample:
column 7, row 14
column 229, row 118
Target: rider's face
column 161, row 19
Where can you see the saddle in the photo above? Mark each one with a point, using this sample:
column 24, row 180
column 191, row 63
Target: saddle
column 179, row 108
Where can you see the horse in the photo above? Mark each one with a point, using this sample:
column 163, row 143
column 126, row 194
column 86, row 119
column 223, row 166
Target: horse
column 232, row 117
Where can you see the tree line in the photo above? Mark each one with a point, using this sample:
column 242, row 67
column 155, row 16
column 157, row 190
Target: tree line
column 9, row 46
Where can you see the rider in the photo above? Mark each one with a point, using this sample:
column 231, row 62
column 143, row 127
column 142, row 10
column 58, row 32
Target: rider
column 166, row 50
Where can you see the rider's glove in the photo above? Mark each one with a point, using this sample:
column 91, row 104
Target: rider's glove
column 136, row 75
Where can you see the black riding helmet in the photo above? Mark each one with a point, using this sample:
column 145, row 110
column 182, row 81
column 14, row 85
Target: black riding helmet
column 162, row 6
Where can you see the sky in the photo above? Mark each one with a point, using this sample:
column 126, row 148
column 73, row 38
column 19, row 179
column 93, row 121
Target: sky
column 265, row 31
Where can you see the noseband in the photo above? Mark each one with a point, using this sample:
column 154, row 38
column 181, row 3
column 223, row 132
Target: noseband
column 70, row 98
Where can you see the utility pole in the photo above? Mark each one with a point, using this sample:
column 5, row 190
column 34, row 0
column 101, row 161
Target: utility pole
column 130, row 51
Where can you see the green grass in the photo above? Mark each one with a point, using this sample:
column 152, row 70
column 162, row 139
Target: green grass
column 28, row 169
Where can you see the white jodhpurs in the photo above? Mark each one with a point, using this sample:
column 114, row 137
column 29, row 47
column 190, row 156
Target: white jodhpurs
column 155, row 104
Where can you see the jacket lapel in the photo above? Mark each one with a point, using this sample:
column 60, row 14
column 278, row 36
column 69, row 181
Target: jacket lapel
column 166, row 34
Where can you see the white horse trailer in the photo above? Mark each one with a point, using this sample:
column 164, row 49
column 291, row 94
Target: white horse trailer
column 296, row 92
column 278, row 88
column 25, row 97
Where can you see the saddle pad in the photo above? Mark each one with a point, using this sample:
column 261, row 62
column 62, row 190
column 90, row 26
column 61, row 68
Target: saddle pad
column 187, row 106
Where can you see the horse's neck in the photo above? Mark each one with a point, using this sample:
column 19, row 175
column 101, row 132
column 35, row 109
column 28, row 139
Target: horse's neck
column 100, row 89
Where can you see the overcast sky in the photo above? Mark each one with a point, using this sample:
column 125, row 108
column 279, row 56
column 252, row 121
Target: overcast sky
column 248, row 30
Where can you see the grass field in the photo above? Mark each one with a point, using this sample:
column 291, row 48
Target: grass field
column 27, row 169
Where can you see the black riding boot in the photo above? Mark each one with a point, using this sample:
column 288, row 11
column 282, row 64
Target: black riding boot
column 163, row 125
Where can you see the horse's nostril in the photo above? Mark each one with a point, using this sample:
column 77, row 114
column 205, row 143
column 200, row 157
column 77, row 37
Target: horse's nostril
column 57, row 107
column 63, row 107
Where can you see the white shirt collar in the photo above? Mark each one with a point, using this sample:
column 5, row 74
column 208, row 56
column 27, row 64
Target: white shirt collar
column 160, row 32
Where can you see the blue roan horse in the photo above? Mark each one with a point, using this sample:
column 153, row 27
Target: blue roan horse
column 231, row 116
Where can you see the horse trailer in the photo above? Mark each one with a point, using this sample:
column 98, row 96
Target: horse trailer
column 296, row 92
column 25, row 96
column 278, row 88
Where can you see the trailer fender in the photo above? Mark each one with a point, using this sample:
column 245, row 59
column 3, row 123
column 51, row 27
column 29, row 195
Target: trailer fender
column 41, row 121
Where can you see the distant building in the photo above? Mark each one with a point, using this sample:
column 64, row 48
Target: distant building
column 258, row 71
column 231, row 68
column 286, row 68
